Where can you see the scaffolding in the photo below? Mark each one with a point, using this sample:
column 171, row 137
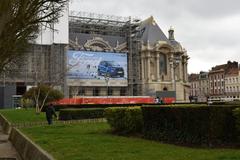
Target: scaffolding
column 91, row 23
column 126, row 27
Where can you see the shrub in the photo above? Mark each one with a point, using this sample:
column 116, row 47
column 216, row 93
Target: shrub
column 83, row 113
column 26, row 103
column 236, row 113
column 212, row 125
column 124, row 120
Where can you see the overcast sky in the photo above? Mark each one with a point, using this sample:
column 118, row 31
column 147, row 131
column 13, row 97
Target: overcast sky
column 208, row 29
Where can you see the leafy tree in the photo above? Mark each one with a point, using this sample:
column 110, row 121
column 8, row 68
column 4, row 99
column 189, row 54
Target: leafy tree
column 41, row 95
column 20, row 21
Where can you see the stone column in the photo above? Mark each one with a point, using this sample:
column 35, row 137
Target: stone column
column 172, row 71
column 148, row 67
column 157, row 70
column 181, row 70
column 185, row 69
column 143, row 68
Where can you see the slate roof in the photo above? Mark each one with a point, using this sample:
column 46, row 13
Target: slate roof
column 151, row 32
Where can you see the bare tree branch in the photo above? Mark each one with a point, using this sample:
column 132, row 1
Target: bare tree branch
column 19, row 24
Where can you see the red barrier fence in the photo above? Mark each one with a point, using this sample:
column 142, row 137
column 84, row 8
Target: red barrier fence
column 106, row 100
column 168, row 100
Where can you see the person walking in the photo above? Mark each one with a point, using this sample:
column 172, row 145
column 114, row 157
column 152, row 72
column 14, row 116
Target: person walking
column 50, row 111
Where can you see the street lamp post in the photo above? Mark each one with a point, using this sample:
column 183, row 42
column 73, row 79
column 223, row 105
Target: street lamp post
column 175, row 62
column 106, row 77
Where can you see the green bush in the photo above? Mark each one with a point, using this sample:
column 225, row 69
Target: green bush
column 26, row 103
column 212, row 125
column 44, row 93
column 124, row 120
column 236, row 113
column 83, row 113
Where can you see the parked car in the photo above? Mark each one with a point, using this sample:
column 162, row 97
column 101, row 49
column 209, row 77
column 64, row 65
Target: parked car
column 111, row 68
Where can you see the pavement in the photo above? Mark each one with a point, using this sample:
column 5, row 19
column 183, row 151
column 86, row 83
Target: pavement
column 7, row 150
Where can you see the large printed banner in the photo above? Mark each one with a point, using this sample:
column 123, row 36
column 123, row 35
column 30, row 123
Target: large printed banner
column 95, row 68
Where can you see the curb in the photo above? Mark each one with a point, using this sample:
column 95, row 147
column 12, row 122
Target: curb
column 6, row 125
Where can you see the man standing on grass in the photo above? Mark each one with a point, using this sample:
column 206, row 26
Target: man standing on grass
column 50, row 111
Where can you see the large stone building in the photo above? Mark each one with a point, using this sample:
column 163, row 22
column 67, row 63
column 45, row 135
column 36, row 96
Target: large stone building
column 221, row 82
column 232, row 83
column 199, row 86
column 216, row 81
column 154, row 62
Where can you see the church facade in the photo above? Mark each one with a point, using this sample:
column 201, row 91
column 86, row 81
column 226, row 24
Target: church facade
column 154, row 62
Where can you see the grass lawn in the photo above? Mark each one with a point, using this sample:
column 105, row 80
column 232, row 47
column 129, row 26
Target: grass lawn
column 22, row 115
column 92, row 141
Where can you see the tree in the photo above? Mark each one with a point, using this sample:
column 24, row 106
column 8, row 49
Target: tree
column 20, row 21
column 41, row 95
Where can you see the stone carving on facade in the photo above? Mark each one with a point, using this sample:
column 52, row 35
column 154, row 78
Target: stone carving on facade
column 74, row 45
column 121, row 47
column 97, row 44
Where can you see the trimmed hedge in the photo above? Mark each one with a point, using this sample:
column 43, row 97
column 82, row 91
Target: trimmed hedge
column 80, row 106
column 83, row 113
column 212, row 125
column 124, row 120
column 236, row 113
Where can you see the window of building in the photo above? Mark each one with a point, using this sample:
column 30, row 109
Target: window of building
column 163, row 64
column 81, row 91
column 96, row 91
column 110, row 91
column 122, row 92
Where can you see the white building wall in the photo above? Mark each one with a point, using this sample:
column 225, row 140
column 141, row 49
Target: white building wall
column 59, row 34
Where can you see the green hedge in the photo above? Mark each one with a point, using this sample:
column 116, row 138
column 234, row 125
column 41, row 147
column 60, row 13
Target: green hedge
column 212, row 125
column 236, row 113
column 83, row 113
column 124, row 120
column 80, row 106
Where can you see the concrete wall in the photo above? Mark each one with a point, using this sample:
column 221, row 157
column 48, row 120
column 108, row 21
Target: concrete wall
column 6, row 93
column 1, row 97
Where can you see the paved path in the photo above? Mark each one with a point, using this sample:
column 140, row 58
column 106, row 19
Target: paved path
column 7, row 151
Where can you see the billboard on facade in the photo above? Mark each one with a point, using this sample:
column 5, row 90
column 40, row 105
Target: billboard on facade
column 96, row 68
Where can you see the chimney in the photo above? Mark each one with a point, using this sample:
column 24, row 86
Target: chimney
column 171, row 33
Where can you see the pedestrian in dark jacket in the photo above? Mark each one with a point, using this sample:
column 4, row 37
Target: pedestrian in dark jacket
column 50, row 111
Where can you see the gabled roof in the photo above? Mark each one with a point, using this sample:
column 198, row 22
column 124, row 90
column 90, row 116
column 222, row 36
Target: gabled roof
column 193, row 77
column 151, row 32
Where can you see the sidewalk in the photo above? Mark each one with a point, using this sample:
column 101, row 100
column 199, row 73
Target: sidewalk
column 7, row 151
